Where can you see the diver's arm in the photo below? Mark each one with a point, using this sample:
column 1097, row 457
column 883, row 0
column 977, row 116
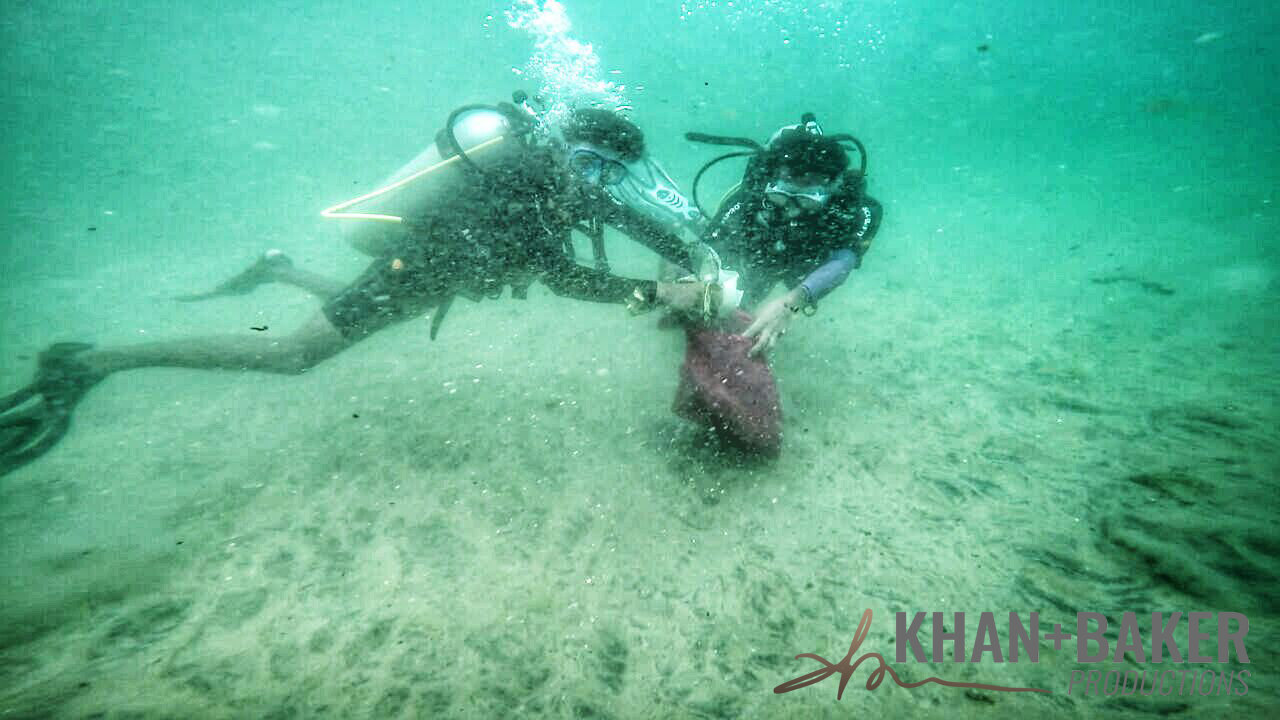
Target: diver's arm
column 651, row 234
column 831, row 274
column 772, row 317
column 568, row 279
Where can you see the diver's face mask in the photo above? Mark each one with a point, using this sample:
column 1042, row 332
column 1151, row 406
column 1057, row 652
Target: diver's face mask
column 596, row 166
column 801, row 195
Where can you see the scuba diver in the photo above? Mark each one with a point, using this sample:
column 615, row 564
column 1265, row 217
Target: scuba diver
column 492, row 203
column 800, row 216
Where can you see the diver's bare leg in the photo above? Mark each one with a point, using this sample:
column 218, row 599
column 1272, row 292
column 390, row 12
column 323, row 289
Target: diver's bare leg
column 36, row 417
column 296, row 353
column 273, row 267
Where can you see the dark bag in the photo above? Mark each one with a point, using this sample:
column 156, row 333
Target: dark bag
column 724, row 389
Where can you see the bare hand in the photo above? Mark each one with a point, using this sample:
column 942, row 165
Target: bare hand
column 770, row 325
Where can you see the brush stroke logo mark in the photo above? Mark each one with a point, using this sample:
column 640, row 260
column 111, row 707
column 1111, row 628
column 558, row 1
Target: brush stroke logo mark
column 846, row 670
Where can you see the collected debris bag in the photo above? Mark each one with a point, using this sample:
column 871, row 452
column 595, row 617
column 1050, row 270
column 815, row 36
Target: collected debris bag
column 721, row 387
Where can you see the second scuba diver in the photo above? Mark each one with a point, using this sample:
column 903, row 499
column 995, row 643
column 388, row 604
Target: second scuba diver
column 491, row 204
column 800, row 216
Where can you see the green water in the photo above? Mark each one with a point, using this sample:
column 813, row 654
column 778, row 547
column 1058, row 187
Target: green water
column 1051, row 387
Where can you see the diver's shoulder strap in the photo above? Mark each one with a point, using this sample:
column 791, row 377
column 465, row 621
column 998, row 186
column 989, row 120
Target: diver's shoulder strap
column 733, row 206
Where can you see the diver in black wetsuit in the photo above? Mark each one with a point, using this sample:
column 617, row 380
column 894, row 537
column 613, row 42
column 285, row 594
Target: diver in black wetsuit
column 800, row 216
column 505, row 222
column 512, row 227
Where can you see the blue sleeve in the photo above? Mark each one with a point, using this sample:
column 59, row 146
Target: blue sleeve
column 830, row 274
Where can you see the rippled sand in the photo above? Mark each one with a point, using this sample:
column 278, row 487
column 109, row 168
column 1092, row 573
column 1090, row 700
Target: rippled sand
column 1052, row 387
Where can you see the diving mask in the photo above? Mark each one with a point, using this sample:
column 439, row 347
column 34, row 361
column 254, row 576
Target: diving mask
column 784, row 193
column 590, row 165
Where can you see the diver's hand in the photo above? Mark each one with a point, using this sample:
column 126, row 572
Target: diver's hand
column 770, row 325
column 772, row 319
column 34, row 419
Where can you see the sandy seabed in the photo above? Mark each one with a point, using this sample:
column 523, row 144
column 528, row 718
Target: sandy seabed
column 1051, row 388
column 508, row 522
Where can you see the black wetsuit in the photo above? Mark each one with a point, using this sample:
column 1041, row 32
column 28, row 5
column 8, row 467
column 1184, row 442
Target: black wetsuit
column 816, row 251
column 509, row 226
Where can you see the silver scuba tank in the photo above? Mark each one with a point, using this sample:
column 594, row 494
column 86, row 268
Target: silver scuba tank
column 487, row 136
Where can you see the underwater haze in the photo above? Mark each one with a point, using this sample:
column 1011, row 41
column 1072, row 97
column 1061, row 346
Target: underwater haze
column 1051, row 387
